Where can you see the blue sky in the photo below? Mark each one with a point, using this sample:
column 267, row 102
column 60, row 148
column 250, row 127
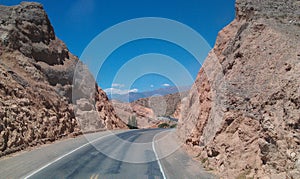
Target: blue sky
column 78, row 22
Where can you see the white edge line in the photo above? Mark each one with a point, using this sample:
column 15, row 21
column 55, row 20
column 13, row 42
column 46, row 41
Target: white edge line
column 159, row 164
column 59, row 158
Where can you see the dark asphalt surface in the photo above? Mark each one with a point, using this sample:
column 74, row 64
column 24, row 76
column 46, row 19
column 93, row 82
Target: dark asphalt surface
column 105, row 159
column 110, row 154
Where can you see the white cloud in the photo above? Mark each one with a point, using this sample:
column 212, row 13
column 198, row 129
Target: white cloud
column 134, row 90
column 117, row 85
column 119, row 91
column 166, row 84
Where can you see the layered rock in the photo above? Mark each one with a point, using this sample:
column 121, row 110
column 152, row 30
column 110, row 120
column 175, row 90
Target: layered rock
column 242, row 115
column 107, row 113
column 36, row 71
column 151, row 111
column 145, row 116
column 163, row 105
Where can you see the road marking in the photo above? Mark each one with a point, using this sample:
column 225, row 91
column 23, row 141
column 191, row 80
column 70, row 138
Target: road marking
column 92, row 176
column 96, row 177
column 159, row 164
column 59, row 158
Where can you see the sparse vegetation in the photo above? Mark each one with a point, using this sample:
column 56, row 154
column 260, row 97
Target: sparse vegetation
column 243, row 175
column 173, row 126
column 203, row 160
column 163, row 125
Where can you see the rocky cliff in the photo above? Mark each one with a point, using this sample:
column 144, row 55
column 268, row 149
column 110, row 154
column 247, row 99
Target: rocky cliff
column 162, row 105
column 145, row 116
column 242, row 116
column 150, row 112
column 36, row 86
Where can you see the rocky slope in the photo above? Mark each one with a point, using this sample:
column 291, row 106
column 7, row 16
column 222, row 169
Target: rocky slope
column 149, row 111
column 242, row 116
column 162, row 105
column 145, row 116
column 36, row 72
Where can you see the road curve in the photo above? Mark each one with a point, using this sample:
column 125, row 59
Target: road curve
column 129, row 154
column 106, row 158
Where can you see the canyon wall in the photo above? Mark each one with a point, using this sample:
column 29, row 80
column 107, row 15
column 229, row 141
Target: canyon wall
column 242, row 116
column 152, row 111
column 37, row 102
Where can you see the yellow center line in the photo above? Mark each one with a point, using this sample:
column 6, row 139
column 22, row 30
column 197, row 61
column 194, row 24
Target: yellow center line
column 96, row 176
column 92, row 177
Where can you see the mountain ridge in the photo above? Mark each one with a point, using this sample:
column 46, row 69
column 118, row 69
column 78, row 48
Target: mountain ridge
column 133, row 96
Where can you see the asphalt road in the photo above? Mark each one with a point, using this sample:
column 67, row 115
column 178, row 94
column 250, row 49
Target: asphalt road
column 129, row 154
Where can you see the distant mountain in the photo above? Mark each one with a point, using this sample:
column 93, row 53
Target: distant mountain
column 133, row 96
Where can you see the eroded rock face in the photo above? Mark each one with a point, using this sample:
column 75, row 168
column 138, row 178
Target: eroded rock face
column 242, row 116
column 107, row 112
column 145, row 116
column 162, row 105
column 36, row 72
column 151, row 111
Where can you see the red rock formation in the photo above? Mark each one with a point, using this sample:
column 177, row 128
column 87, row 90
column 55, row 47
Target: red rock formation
column 148, row 110
column 36, row 72
column 162, row 105
column 242, row 114
column 145, row 116
column 107, row 112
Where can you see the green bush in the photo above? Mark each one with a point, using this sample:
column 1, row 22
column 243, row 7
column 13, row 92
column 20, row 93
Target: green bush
column 163, row 125
column 173, row 126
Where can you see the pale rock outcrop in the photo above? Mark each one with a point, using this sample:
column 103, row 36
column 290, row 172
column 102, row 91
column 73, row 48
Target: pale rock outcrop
column 145, row 116
column 150, row 112
column 162, row 105
column 242, row 116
